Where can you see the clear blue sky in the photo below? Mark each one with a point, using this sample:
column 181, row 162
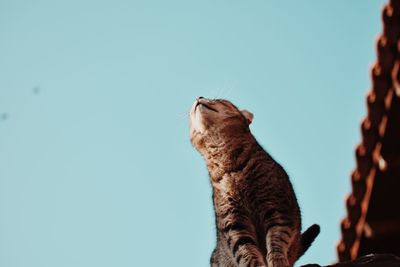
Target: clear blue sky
column 96, row 167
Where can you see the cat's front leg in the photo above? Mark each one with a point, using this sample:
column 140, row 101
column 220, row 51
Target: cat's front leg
column 241, row 239
column 278, row 240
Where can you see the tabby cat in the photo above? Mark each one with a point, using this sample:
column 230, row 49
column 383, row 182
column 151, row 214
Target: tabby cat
column 257, row 215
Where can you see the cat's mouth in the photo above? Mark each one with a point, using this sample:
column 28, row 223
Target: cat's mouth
column 201, row 102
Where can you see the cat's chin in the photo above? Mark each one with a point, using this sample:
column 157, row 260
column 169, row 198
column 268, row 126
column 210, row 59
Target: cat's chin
column 196, row 123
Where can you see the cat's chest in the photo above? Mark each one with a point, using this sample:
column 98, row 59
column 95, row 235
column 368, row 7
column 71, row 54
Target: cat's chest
column 230, row 183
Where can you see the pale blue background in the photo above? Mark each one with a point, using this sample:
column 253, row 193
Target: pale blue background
column 96, row 168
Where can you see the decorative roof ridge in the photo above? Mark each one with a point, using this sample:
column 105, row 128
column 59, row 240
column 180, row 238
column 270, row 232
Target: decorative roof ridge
column 385, row 85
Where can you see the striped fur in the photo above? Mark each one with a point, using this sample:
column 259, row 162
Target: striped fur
column 257, row 215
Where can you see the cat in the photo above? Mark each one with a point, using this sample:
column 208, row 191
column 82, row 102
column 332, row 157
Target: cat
column 256, row 211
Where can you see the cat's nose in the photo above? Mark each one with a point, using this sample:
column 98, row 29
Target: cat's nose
column 198, row 98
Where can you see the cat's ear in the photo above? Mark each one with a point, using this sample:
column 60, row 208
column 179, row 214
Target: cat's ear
column 248, row 115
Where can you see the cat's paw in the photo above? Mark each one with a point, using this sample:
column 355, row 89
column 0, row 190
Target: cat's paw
column 278, row 261
column 279, row 264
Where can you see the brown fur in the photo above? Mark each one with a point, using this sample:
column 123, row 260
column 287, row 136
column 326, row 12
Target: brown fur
column 257, row 216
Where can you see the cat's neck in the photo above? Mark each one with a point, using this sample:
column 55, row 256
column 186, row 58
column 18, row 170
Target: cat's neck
column 227, row 155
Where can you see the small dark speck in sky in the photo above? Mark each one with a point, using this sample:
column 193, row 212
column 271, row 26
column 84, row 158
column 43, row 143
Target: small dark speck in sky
column 4, row 116
column 36, row 90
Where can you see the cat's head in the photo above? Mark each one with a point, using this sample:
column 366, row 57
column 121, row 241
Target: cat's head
column 213, row 120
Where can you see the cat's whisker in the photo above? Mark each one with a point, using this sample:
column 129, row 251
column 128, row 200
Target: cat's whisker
column 219, row 92
column 183, row 115
column 223, row 91
column 227, row 89
column 213, row 93
column 182, row 118
column 224, row 87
